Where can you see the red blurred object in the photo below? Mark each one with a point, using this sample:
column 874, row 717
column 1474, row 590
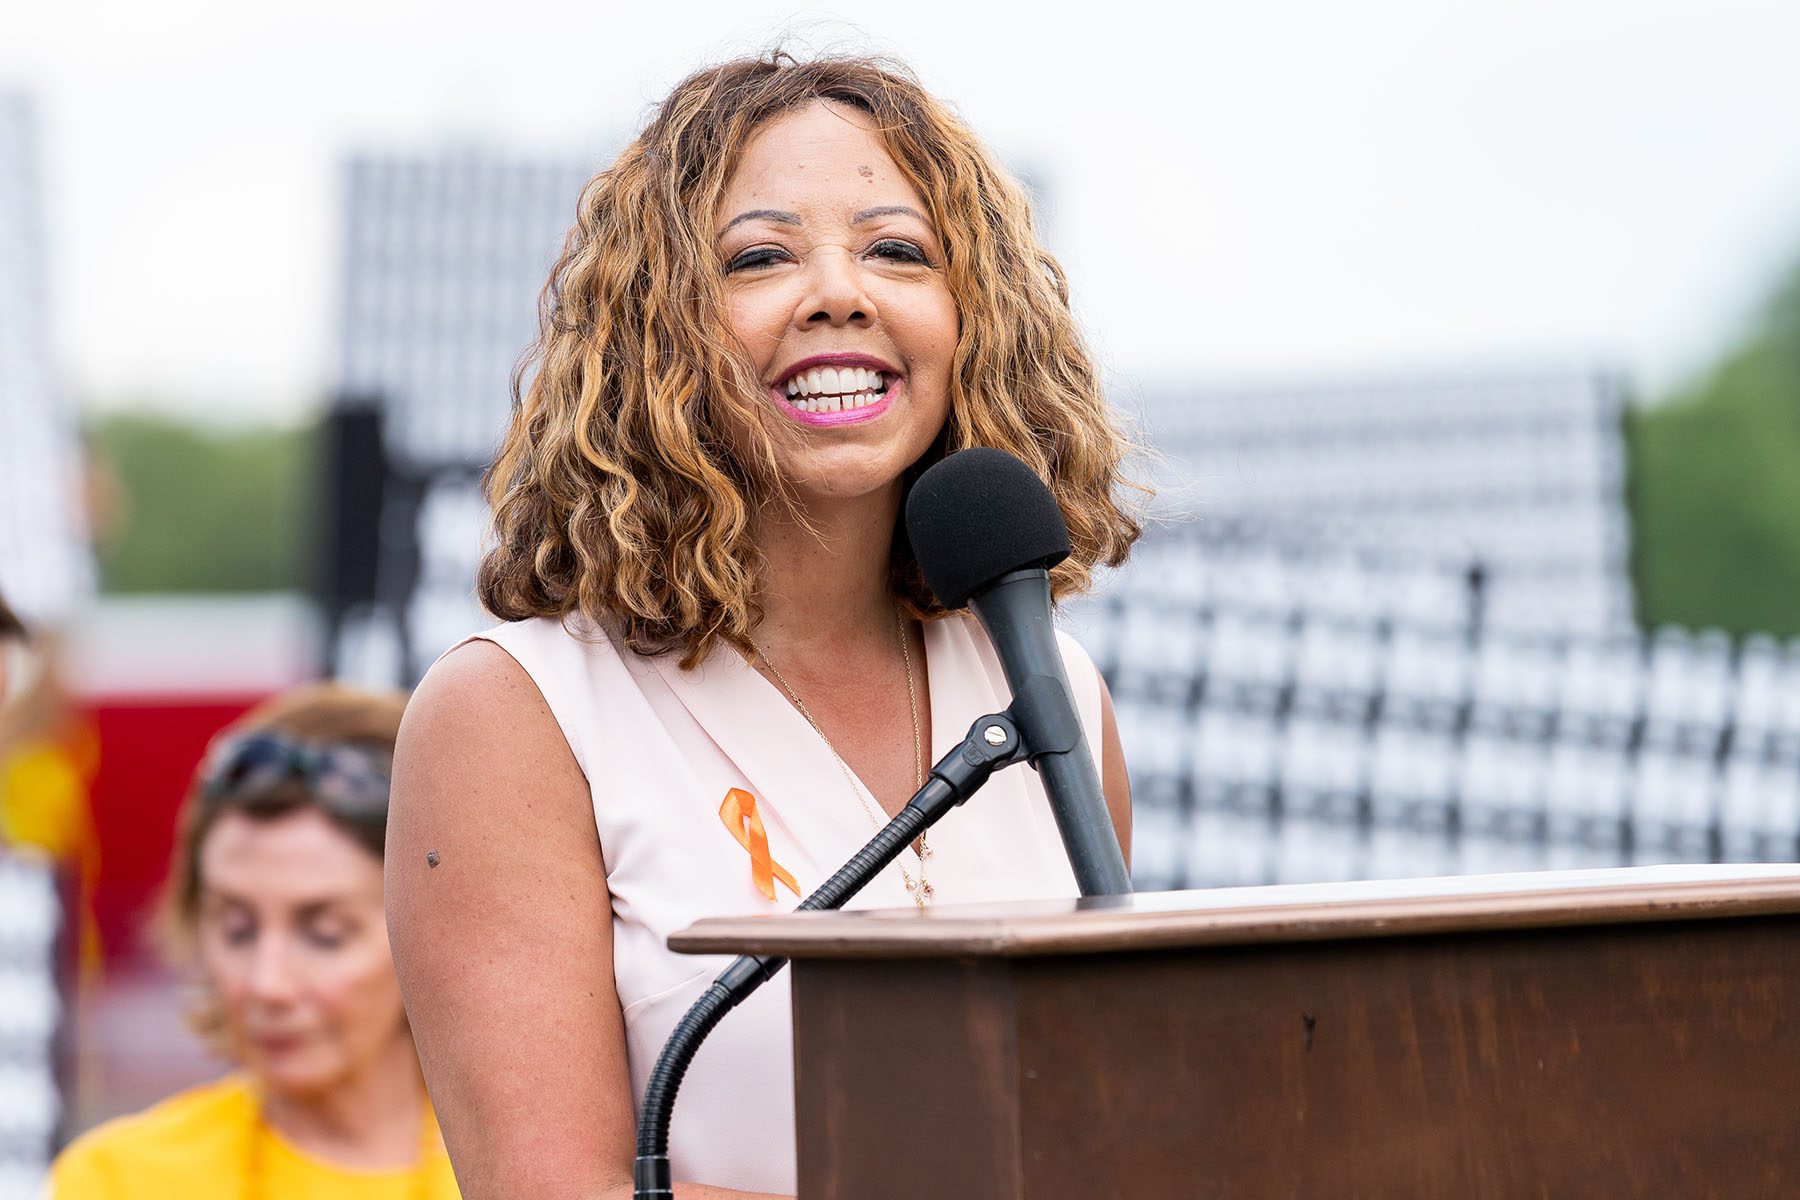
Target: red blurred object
column 158, row 676
column 149, row 747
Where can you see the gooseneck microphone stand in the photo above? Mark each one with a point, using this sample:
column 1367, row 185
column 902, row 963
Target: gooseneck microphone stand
column 993, row 742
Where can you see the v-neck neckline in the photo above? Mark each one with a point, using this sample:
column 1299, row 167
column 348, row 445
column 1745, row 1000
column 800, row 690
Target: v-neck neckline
column 803, row 727
column 727, row 684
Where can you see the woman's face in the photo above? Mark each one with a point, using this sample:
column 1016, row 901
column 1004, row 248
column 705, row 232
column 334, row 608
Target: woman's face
column 836, row 287
column 294, row 943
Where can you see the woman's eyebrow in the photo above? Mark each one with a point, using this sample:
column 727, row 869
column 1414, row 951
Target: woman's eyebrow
column 763, row 214
column 303, row 908
column 321, row 907
column 889, row 210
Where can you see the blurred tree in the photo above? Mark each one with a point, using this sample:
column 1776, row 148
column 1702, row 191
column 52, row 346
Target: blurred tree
column 204, row 510
column 1716, row 487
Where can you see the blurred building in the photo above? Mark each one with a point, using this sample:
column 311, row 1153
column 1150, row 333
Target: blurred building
column 1521, row 475
column 443, row 260
column 1344, row 717
column 45, row 566
column 1389, row 631
column 36, row 975
column 45, row 572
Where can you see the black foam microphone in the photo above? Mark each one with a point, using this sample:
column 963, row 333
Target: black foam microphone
column 986, row 532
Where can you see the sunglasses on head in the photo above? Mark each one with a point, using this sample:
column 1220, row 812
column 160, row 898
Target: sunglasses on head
column 344, row 780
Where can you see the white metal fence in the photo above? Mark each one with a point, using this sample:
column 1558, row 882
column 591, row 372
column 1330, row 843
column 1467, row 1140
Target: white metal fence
column 34, row 1023
column 1386, row 727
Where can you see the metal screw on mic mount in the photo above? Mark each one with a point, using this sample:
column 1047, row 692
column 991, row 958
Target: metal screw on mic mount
column 995, row 735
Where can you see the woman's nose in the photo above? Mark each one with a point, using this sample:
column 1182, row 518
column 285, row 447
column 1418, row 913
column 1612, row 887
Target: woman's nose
column 271, row 969
column 836, row 291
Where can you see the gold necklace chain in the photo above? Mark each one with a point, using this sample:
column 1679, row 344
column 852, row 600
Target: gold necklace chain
column 920, row 889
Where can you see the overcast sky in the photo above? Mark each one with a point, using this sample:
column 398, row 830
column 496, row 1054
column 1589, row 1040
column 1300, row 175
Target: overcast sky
column 1240, row 191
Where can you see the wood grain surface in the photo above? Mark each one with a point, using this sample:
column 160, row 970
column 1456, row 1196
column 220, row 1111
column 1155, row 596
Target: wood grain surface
column 1647, row 1059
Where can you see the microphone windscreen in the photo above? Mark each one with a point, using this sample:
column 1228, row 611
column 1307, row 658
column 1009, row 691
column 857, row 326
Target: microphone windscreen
column 979, row 514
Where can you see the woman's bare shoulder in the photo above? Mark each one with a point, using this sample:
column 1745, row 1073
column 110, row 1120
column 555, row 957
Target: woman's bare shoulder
column 476, row 689
column 477, row 723
column 476, row 675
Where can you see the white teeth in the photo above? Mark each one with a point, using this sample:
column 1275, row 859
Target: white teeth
column 835, row 389
column 836, row 381
column 835, row 404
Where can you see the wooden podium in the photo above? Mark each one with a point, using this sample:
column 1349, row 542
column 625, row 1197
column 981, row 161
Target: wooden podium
column 1585, row 1034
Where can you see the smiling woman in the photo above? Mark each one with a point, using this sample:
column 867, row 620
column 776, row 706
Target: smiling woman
column 871, row 361
column 802, row 285
column 275, row 900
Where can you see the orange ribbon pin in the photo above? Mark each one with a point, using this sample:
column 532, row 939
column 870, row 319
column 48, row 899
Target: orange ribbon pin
column 739, row 814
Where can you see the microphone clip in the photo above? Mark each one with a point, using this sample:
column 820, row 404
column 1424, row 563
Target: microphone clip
column 993, row 742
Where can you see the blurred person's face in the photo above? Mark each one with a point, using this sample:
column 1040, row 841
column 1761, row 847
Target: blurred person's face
column 294, row 943
column 837, row 290
column 13, row 666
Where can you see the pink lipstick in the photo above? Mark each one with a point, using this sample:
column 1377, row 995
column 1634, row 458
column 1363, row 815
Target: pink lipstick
column 837, row 389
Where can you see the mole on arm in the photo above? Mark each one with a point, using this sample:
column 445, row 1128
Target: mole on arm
column 431, row 858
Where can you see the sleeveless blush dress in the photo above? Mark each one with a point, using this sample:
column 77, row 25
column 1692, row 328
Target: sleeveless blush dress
column 661, row 747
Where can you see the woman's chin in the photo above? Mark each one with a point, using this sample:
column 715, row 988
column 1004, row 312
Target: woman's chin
column 301, row 1073
column 842, row 473
column 826, row 488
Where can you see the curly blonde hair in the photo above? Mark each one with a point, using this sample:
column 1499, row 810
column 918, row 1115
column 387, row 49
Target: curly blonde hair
column 615, row 493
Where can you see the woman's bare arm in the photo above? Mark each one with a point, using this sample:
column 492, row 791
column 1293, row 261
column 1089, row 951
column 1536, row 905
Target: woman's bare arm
column 502, row 932
column 1114, row 781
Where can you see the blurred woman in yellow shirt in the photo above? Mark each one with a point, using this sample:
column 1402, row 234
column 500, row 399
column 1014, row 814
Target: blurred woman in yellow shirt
column 275, row 896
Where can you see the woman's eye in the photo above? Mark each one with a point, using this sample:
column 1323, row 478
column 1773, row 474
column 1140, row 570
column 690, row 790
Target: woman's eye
column 756, row 256
column 240, row 934
column 898, row 251
column 326, row 932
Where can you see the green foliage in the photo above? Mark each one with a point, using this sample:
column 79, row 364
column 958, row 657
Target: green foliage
column 202, row 510
column 1716, row 488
